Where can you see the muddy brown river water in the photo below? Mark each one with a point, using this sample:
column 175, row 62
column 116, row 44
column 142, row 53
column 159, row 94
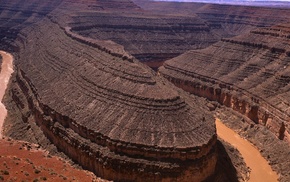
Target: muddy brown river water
column 6, row 71
column 260, row 169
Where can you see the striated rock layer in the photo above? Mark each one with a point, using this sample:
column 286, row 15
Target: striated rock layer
column 222, row 20
column 156, row 31
column 17, row 14
column 109, row 112
column 249, row 73
column 150, row 37
column 150, row 31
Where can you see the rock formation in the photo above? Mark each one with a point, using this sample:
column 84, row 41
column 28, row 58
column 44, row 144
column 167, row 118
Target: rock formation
column 249, row 73
column 151, row 31
column 16, row 14
column 77, row 78
column 157, row 31
column 151, row 38
column 223, row 20
column 110, row 113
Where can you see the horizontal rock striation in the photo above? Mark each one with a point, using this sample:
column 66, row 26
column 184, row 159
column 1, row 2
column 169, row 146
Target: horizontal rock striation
column 157, row 31
column 15, row 15
column 249, row 73
column 235, row 20
column 108, row 112
column 109, row 47
column 222, row 20
column 147, row 36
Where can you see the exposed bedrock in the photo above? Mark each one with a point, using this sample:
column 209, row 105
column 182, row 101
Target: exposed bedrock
column 148, row 36
column 110, row 113
column 249, row 73
column 224, row 20
column 236, row 20
column 16, row 14
column 158, row 31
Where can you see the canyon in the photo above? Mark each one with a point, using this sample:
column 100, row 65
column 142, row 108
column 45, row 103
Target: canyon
column 81, row 91
column 15, row 156
column 251, row 77
column 122, row 126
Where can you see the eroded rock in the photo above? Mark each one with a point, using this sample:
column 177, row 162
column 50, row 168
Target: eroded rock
column 249, row 73
column 113, row 116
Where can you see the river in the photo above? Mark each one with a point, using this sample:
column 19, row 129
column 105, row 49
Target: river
column 5, row 74
column 260, row 169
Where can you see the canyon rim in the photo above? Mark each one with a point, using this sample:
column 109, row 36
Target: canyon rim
column 83, row 89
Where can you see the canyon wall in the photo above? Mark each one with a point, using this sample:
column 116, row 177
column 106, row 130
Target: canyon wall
column 249, row 73
column 157, row 31
column 114, row 116
column 108, row 112
column 235, row 20
column 16, row 14
column 223, row 20
column 150, row 31
column 150, row 37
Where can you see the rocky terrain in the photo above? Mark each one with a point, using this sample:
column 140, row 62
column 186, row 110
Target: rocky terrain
column 109, row 113
column 151, row 31
column 220, row 20
column 252, row 75
column 78, row 88
column 248, row 73
column 152, row 38
column 16, row 14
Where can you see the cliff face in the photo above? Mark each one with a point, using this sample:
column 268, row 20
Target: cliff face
column 249, row 73
column 235, row 20
column 115, row 116
column 223, row 20
column 148, row 36
column 110, row 113
column 157, row 31
column 151, row 31
column 17, row 14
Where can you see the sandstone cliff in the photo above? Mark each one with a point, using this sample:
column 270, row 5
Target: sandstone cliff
column 17, row 14
column 223, row 20
column 110, row 113
column 115, row 116
column 148, row 36
column 249, row 73
column 151, row 31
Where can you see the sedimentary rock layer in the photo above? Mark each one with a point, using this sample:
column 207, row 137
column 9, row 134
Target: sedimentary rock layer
column 249, row 73
column 147, row 36
column 157, row 31
column 223, row 20
column 236, row 20
column 103, row 108
column 151, row 31
column 110, row 113
column 17, row 14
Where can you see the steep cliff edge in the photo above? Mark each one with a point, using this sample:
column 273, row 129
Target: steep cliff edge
column 158, row 31
column 248, row 73
column 223, row 20
column 100, row 106
column 109, row 113
column 17, row 14
column 148, row 36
